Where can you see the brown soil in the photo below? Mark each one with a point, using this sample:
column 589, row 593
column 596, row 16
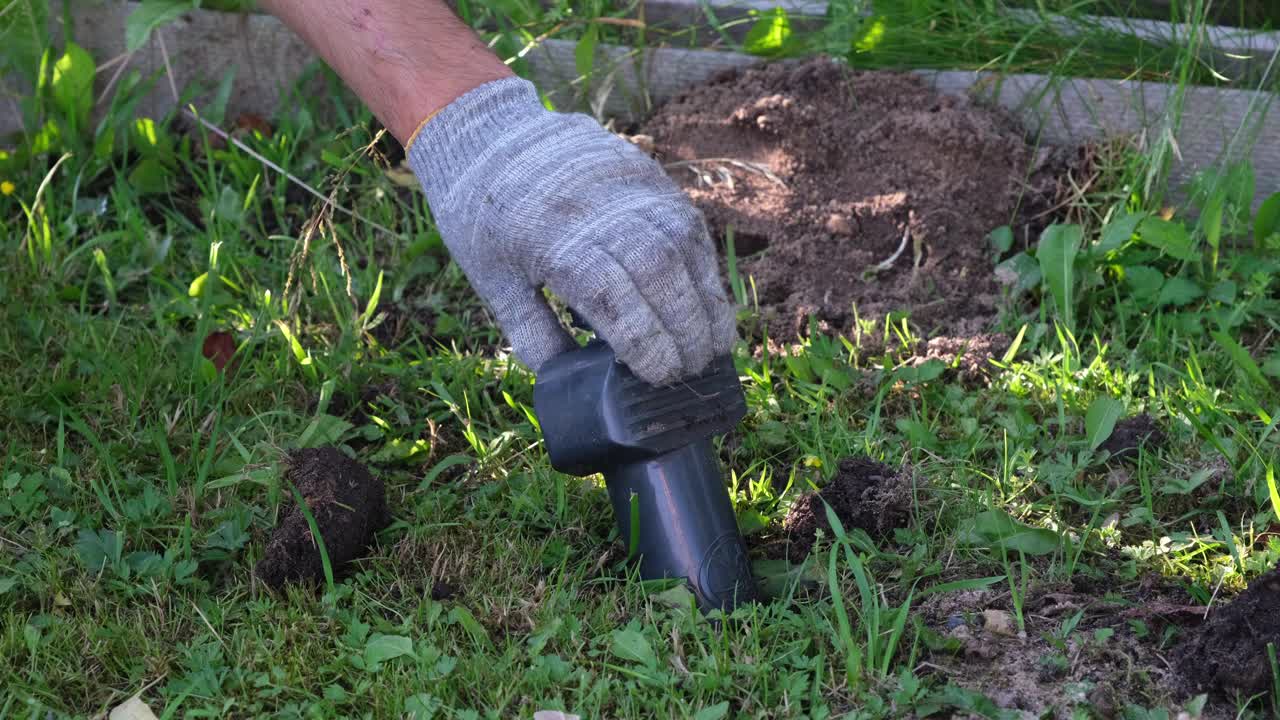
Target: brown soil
column 348, row 504
column 864, row 494
column 1229, row 653
column 1131, row 434
column 970, row 356
column 821, row 172
column 1101, row 664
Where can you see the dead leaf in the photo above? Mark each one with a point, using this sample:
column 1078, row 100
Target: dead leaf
column 249, row 123
column 220, row 347
column 132, row 709
column 553, row 715
column 401, row 175
column 644, row 142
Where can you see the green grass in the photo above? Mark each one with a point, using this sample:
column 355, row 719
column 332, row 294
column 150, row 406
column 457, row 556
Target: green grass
column 139, row 482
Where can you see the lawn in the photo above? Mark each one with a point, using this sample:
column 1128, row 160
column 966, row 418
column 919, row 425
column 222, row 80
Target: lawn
column 176, row 319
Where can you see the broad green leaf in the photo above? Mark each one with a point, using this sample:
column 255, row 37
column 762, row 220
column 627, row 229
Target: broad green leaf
column 1001, row 239
column 752, row 521
column 381, row 648
column 459, row 615
column 1144, row 280
column 24, row 32
column 1267, row 222
column 770, row 33
column 1100, row 420
column 72, row 84
column 924, row 372
column 8, row 583
column 422, row 706
column 1169, row 236
column 1032, row 541
column 149, row 177
column 1181, row 486
column 714, row 712
column 1271, row 366
column 1059, row 245
column 98, row 549
column 150, row 15
column 1224, row 291
column 323, row 430
column 995, row 529
column 1020, row 273
column 1179, row 291
column 778, row 577
column 634, row 646
column 229, row 207
column 1240, row 357
column 584, row 54
column 1118, row 232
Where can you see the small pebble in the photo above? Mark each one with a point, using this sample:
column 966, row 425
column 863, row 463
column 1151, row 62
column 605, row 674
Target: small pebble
column 998, row 622
column 838, row 224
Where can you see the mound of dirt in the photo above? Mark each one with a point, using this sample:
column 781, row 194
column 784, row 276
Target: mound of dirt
column 1131, row 434
column 970, row 356
column 1041, row 671
column 349, row 505
column 1229, row 652
column 863, row 189
column 864, row 494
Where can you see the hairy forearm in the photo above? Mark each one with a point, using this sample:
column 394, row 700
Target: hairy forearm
column 405, row 58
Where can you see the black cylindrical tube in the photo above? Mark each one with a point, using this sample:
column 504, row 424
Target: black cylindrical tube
column 675, row 513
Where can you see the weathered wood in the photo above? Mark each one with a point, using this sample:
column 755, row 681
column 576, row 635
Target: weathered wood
column 628, row 83
column 1245, row 57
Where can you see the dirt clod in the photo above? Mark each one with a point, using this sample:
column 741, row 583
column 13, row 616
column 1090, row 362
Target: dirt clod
column 998, row 622
column 348, row 504
column 971, row 356
column 864, row 494
column 858, row 189
column 1229, row 652
column 1131, row 434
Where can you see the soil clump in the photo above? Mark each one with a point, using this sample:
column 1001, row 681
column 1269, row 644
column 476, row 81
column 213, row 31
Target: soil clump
column 1131, row 434
column 865, row 494
column 849, row 189
column 969, row 356
column 349, row 507
column 1229, row 652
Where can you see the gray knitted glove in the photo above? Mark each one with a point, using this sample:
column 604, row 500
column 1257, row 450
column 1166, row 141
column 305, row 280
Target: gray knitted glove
column 526, row 198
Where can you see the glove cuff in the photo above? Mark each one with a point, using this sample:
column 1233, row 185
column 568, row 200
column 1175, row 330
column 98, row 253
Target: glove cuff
column 466, row 129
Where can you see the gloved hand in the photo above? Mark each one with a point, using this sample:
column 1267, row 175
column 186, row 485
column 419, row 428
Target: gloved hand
column 527, row 198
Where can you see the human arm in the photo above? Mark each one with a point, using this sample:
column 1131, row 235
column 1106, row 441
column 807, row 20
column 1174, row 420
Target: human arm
column 526, row 198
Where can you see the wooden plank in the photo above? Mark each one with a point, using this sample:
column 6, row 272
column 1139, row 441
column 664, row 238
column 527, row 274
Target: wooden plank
column 1215, row 125
column 1244, row 56
column 628, row 84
